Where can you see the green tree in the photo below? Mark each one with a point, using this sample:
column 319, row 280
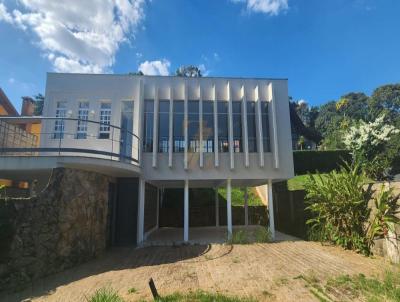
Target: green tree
column 190, row 71
column 39, row 103
column 386, row 100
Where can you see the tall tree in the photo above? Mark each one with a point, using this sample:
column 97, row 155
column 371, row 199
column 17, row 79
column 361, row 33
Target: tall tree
column 386, row 100
column 39, row 103
column 190, row 71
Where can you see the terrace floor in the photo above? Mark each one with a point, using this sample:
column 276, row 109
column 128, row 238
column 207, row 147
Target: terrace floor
column 201, row 235
column 266, row 272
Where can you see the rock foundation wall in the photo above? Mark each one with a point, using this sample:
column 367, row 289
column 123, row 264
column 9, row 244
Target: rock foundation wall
column 64, row 225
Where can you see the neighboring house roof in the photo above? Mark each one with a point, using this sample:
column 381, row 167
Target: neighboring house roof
column 301, row 129
column 7, row 105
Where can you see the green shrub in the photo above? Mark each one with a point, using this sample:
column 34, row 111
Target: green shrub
column 105, row 295
column 262, row 235
column 321, row 161
column 239, row 237
column 384, row 214
column 338, row 203
column 246, row 236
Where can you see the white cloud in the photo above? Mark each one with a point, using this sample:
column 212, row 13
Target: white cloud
column 11, row 80
column 159, row 67
column 269, row 7
column 76, row 35
column 4, row 15
column 204, row 71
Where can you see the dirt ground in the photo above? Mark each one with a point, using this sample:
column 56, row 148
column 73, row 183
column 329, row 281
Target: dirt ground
column 266, row 272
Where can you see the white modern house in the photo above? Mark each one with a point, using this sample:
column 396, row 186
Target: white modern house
column 169, row 132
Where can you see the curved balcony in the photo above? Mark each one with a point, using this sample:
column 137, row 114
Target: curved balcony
column 67, row 137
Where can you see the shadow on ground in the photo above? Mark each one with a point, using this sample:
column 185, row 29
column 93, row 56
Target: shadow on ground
column 113, row 260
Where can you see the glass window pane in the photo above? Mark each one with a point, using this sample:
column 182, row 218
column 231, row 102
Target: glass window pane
column 251, row 126
column 163, row 126
column 265, row 126
column 208, row 126
column 223, row 140
column 83, row 115
column 59, row 125
column 148, row 126
column 193, row 126
column 237, row 126
column 178, row 137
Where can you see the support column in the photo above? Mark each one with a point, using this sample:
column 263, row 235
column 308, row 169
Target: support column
column 229, row 207
column 216, row 208
column 271, row 209
column 246, row 208
column 186, row 212
column 140, row 223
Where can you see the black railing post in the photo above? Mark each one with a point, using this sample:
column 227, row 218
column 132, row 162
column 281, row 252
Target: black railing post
column 112, row 142
column 59, row 141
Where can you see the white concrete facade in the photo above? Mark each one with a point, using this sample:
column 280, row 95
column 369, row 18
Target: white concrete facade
column 185, row 169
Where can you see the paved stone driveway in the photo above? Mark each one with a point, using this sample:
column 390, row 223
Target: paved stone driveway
column 244, row 270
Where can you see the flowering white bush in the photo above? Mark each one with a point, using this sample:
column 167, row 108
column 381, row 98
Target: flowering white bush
column 368, row 141
column 368, row 137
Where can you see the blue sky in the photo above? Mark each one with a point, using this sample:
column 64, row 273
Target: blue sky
column 324, row 48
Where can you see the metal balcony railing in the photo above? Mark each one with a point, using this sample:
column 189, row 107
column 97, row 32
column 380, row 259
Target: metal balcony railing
column 63, row 136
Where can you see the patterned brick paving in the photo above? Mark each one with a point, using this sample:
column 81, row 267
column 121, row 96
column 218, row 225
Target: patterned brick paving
column 244, row 270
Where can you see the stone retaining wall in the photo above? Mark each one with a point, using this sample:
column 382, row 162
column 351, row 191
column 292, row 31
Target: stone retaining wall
column 64, row 225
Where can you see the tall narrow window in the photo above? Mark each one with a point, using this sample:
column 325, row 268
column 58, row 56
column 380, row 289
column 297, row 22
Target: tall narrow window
column 163, row 126
column 193, row 126
column 251, row 126
column 105, row 120
column 126, row 139
column 208, row 126
column 223, row 139
column 237, row 126
column 83, row 115
column 59, row 125
column 265, row 126
column 148, row 125
column 179, row 115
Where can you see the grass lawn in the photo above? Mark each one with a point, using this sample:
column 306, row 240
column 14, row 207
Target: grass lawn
column 297, row 182
column 238, row 196
column 356, row 287
column 109, row 295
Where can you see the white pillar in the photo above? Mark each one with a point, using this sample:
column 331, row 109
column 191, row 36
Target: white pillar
column 260, row 142
column 155, row 128
column 230, row 127
column 229, row 207
column 216, row 208
column 170, row 133
column 186, row 212
column 274, row 126
column 216, row 157
column 201, row 126
column 185, row 128
column 244, row 129
column 271, row 209
column 140, row 223
column 246, row 208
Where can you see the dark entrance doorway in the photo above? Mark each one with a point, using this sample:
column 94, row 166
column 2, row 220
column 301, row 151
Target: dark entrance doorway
column 126, row 210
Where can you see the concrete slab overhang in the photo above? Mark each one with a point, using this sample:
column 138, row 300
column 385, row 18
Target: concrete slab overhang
column 14, row 166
